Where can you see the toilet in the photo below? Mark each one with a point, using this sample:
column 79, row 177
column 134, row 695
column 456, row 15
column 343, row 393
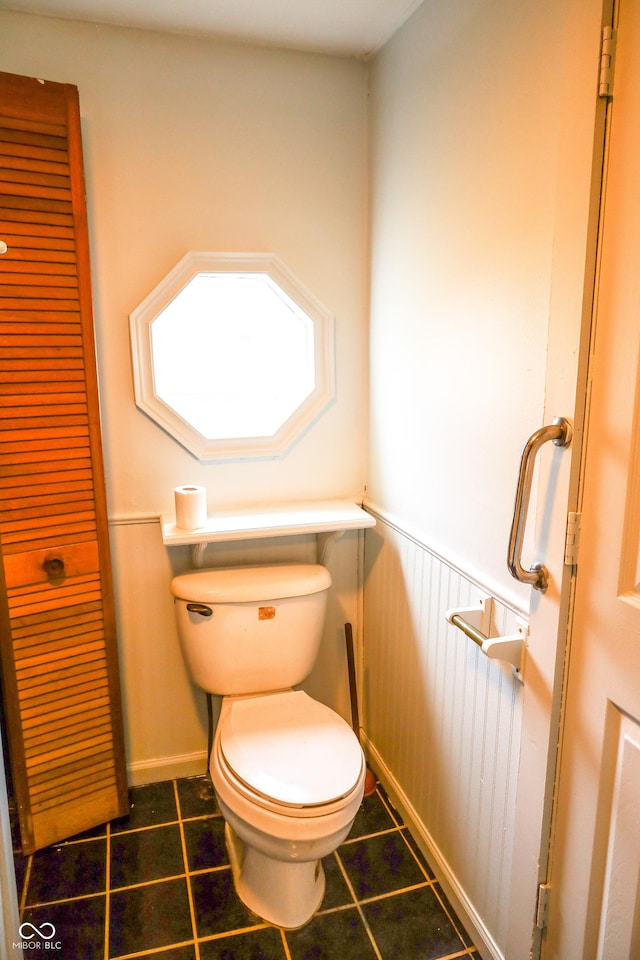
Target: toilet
column 287, row 770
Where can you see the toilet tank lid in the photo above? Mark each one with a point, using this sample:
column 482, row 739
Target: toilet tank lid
column 248, row 583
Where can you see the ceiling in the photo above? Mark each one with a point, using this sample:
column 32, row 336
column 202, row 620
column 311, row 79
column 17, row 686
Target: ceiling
column 354, row 28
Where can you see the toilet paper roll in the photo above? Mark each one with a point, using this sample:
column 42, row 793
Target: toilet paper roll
column 191, row 507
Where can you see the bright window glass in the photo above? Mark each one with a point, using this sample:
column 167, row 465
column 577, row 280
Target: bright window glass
column 232, row 356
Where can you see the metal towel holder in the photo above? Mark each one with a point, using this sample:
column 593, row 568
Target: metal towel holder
column 475, row 623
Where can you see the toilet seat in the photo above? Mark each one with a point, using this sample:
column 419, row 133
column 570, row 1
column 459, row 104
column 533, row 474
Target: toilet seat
column 289, row 753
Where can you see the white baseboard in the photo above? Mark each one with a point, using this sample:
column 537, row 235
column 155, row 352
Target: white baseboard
column 463, row 907
column 167, row 768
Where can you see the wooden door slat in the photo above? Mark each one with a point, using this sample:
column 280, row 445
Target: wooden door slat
column 30, row 222
column 51, row 652
column 22, row 271
column 60, row 429
column 33, row 303
column 36, row 254
column 40, row 619
column 73, row 706
column 11, row 201
column 76, row 782
column 49, row 759
column 42, row 523
column 39, row 298
column 20, row 157
column 73, row 786
column 41, row 670
column 72, row 506
column 35, row 242
column 32, row 646
column 52, row 426
column 45, row 483
column 41, row 344
column 28, row 278
column 65, row 731
column 40, row 401
column 34, row 190
column 52, row 542
column 10, row 388
column 22, row 325
column 34, row 176
column 37, row 413
column 94, row 682
column 77, row 790
column 22, row 370
column 17, row 151
column 81, row 493
column 35, row 128
column 37, row 319
column 31, row 236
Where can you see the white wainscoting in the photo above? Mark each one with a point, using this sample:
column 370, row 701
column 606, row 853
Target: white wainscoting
column 442, row 723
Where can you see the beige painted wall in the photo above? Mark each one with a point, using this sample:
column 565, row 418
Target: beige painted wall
column 199, row 145
column 464, row 150
column 196, row 145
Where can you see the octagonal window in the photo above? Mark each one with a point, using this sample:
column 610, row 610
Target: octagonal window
column 232, row 355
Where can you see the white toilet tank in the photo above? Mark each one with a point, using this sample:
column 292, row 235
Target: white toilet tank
column 251, row 629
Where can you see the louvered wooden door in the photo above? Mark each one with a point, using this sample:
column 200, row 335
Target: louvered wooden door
column 58, row 647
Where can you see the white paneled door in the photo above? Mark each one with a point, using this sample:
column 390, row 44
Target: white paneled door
column 594, row 899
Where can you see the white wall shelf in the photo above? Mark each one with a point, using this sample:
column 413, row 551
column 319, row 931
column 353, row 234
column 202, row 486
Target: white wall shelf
column 327, row 519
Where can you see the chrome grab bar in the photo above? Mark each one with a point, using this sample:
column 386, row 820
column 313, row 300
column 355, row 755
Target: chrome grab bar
column 559, row 432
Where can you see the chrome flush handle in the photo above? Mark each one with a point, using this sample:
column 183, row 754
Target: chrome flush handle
column 559, row 432
column 200, row 608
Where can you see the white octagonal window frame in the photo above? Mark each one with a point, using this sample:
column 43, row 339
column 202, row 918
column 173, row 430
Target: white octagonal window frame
column 306, row 331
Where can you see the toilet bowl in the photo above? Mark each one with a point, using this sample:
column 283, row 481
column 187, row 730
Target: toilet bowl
column 289, row 778
column 287, row 770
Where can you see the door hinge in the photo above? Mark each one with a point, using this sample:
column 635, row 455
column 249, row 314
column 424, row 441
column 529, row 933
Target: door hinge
column 607, row 62
column 543, row 905
column 572, row 538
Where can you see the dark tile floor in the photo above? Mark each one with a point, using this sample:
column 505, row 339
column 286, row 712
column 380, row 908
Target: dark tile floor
column 157, row 884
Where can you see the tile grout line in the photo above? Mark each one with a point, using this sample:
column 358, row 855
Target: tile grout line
column 459, row 954
column 396, row 893
column 152, row 952
column 285, row 945
column 237, row 931
column 368, row 836
column 453, row 917
column 185, row 858
column 386, row 803
column 25, row 885
column 358, row 907
column 107, row 895
column 75, row 841
column 415, row 856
